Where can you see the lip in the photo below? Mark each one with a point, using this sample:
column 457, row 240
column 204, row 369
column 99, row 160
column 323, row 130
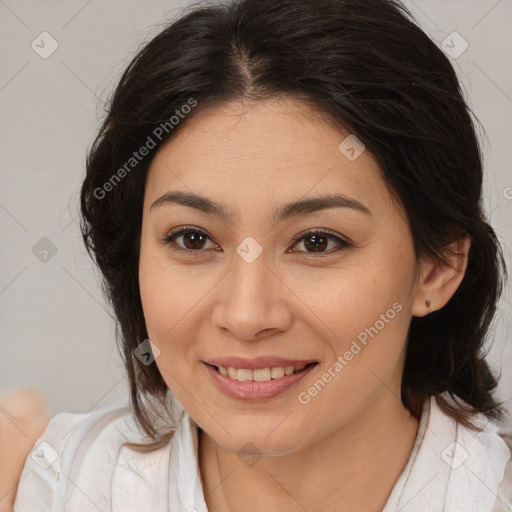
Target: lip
column 257, row 363
column 251, row 390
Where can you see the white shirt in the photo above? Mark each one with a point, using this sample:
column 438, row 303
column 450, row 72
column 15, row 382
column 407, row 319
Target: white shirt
column 80, row 465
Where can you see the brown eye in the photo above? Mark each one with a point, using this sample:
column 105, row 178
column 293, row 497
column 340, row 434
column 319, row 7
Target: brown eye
column 193, row 239
column 317, row 241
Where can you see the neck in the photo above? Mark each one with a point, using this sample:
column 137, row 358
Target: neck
column 334, row 473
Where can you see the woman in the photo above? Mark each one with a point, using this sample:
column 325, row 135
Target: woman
column 285, row 204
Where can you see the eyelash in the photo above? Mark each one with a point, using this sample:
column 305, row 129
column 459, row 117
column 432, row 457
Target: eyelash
column 169, row 239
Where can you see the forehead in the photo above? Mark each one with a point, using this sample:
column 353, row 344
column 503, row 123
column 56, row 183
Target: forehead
column 284, row 130
column 272, row 152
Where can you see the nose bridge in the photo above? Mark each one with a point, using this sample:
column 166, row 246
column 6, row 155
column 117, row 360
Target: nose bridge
column 250, row 303
column 251, row 281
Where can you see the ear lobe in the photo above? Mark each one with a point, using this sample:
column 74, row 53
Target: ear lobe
column 439, row 279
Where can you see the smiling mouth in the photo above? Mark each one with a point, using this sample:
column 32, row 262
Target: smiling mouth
column 261, row 374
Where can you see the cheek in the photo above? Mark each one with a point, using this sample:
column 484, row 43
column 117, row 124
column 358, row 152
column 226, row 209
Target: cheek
column 171, row 297
column 365, row 312
column 160, row 314
column 354, row 299
column 158, row 296
column 367, row 333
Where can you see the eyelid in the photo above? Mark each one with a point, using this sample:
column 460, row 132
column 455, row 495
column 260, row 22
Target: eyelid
column 322, row 231
column 343, row 242
column 177, row 232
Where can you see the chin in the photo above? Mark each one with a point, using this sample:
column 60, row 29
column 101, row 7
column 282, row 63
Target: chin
column 253, row 440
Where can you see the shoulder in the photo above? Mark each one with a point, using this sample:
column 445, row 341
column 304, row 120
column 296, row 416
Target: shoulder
column 70, row 442
column 454, row 468
column 24, row 418
column 479, row 464
column 504, row 497
column 81, row 462
column 39, row 476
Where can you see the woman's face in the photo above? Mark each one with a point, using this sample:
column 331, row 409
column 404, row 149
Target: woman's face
column 249, row 292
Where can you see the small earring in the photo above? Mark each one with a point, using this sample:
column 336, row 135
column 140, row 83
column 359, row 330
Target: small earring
column 427, row 303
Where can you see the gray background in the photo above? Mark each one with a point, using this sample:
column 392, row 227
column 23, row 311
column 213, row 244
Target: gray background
column 56, row 333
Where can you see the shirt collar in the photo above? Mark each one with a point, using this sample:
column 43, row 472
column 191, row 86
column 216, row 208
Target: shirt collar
column 451, row 468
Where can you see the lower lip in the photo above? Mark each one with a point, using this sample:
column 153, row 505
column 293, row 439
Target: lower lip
column 251, row 390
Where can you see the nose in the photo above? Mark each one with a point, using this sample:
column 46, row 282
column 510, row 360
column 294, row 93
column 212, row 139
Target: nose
column 252, row 302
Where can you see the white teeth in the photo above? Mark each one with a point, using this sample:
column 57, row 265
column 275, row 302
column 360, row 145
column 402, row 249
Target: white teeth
column 260, row 374
column 243, row 374
column 276, row 372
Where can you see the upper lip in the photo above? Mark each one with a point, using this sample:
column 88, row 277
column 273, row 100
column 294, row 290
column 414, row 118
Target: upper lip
column 260, row 362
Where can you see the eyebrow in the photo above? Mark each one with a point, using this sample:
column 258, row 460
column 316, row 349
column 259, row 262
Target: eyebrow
column 288, row 210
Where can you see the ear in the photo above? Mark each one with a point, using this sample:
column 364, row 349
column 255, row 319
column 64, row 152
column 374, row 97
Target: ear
column 438, row 281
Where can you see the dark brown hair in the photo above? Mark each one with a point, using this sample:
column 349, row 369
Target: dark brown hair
column 347, row 59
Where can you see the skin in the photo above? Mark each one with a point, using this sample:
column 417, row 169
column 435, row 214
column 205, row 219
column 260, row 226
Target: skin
column 23, row 418
column 355, row 435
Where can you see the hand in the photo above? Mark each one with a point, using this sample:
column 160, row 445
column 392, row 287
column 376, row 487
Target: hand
column 23, row 418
